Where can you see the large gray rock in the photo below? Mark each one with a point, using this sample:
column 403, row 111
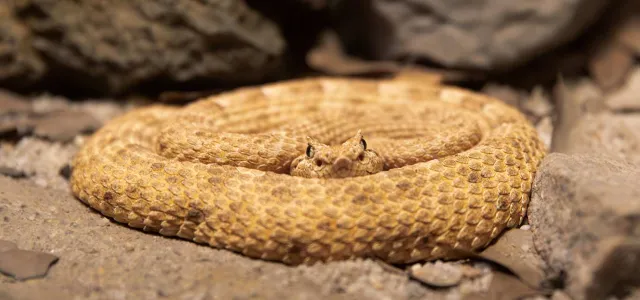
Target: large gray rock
column 464, row 34
column 112, row 46
column 585, row 217
column 21, row 65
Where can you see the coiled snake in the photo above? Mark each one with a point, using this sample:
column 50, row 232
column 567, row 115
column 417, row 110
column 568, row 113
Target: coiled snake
column 318, row 169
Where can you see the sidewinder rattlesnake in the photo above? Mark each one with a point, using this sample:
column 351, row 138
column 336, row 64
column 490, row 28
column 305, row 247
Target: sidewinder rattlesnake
column 318, row 169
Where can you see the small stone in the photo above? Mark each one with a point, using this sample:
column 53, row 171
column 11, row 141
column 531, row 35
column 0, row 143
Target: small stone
column 65, row 171
column 65, row 125
column 560, row 295
column 13, row 103
column 538, row 103
column 628, row 96
column 437, row 274
column 525, row 227
column 24, row 264
column 610, row 65
column 129, row 247
column 12, row 172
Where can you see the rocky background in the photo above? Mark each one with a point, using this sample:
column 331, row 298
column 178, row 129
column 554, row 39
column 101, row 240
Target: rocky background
column 67, row 67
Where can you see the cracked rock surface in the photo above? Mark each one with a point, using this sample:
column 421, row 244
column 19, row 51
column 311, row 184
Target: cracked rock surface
column 107, row 47
column 485, row 35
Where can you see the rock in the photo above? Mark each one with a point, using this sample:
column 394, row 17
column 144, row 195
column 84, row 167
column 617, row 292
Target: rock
column 109, row 48
column 24, row 264
column 584, row 213
column 628, row 96
column 11, row 172
column 560, row 295
column 610, row 64
column 629, row 34
column 11, row 103
column 21, row 64
column 63, row 126
column 584, row 125
column 66, row 171
column 487, row 35
column 537, row 104
column 438, row 274
column 626, row 25
column 614, row 135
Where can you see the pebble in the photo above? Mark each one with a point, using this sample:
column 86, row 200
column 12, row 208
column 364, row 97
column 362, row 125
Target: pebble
column 438, row 274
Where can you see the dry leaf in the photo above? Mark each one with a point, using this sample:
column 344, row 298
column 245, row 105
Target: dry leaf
column 515, row 251
column 329, row 57
column 569, row 113
column 504, row 287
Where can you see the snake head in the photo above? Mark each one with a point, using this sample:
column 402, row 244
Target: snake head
column 349, row 159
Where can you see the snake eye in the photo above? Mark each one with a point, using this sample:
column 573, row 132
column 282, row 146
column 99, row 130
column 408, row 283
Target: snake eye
column 310, row 151
column 363, row 143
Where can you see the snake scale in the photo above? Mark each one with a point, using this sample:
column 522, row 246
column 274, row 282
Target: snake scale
column 318, row 169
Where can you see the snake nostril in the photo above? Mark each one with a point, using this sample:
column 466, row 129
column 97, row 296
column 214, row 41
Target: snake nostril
column 361, row 156
column 318, row 162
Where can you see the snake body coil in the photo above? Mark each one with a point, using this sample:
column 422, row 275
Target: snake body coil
column 243, row 170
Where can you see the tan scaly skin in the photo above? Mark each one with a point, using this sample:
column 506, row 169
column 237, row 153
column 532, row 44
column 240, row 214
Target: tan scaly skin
column 281, row 172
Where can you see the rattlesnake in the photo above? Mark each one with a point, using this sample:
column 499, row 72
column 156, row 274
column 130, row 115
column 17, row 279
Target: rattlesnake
column 318, row 169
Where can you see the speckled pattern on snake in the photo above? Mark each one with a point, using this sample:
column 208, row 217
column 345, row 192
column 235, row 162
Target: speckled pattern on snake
column 318, row 169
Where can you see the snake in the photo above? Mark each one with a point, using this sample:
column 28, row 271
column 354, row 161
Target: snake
column 319, row 169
